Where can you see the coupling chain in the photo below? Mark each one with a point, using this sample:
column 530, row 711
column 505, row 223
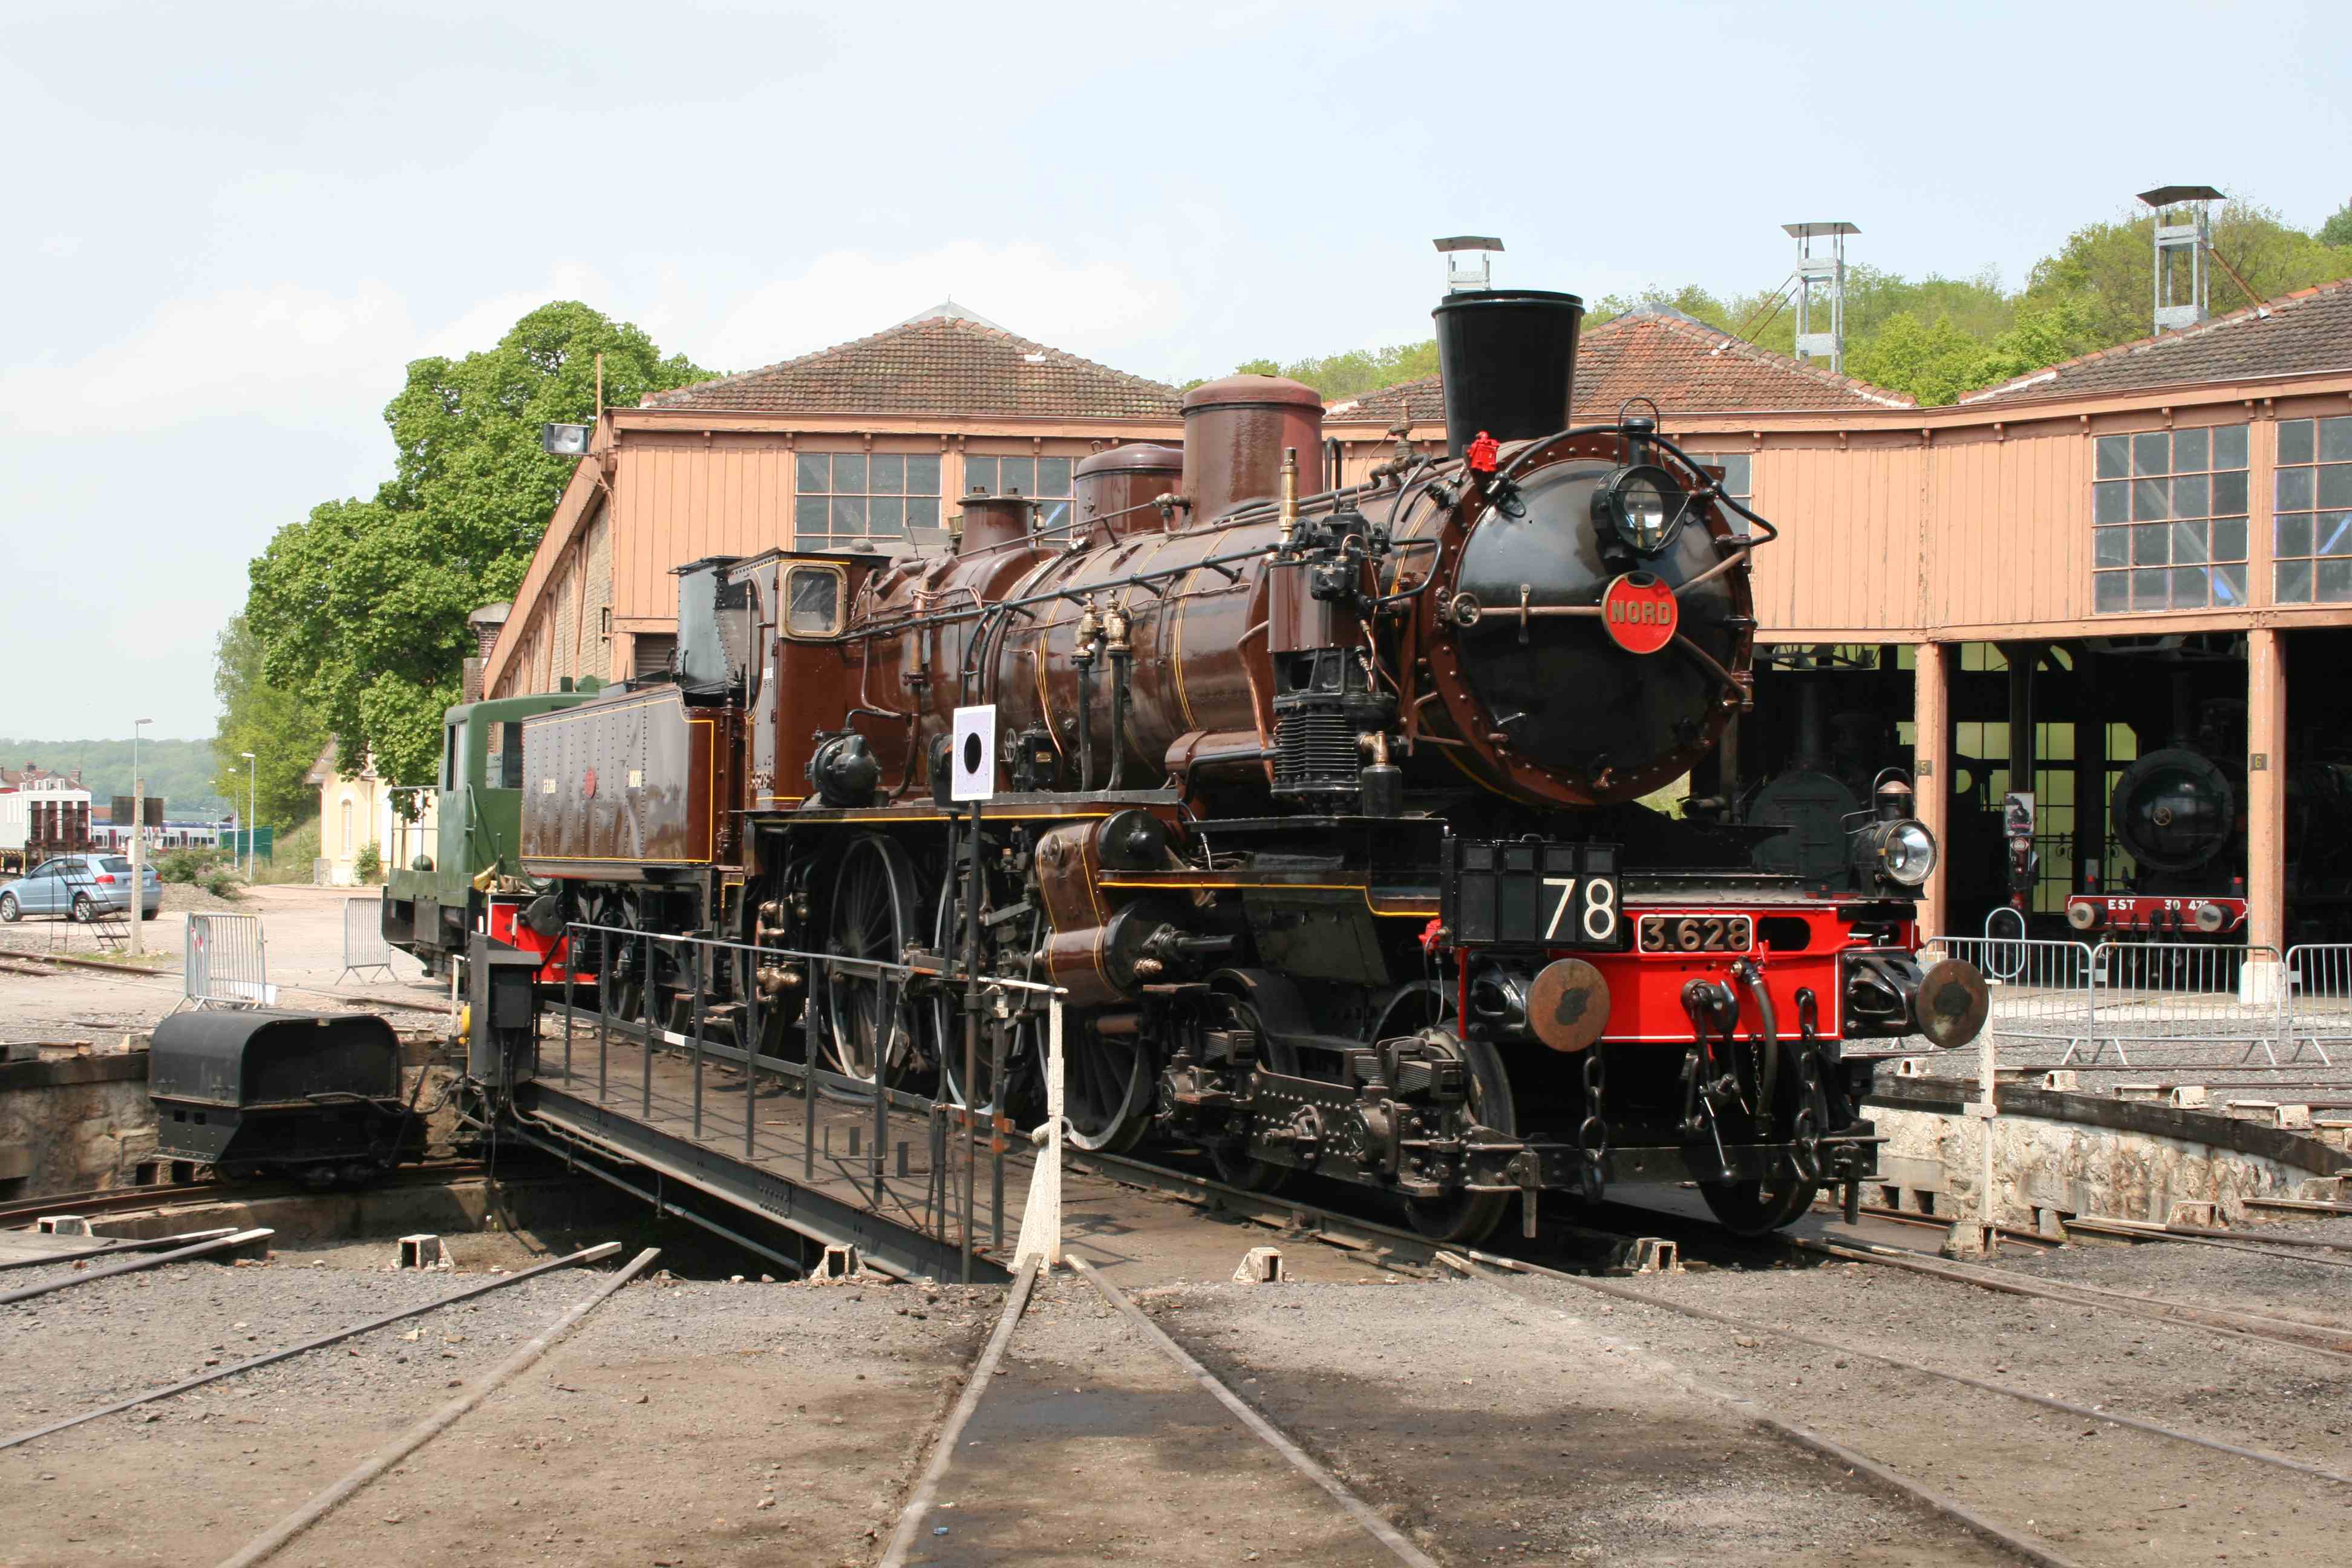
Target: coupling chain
column 1813, row 1106
column 1592, row 1136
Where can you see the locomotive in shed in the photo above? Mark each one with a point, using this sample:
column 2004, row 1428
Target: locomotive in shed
column 1320, row 802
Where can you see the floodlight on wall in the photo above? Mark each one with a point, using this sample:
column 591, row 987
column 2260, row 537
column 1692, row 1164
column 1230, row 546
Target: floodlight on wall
column 1478, row 271
column 564, row 440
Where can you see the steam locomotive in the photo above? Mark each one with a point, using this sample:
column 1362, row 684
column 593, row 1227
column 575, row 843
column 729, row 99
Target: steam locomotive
column 1320, row 802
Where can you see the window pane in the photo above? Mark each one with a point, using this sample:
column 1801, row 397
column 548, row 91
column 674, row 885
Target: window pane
column 2111, row 547
column 887, row 476
column 1016, row 475
column 2188, row 588
column 2151, row 499
column 2111, row 502
column 2229, row 585
column 2230, row 494
column 2111, row 591
column 1052, row 476
column 849, row 513
column 2331, row 533
column 2293, row 535
column 2149, row 588
column 809, row 513
column 2191, row 448
column 2192, row 495
column 1053, row 514
column 2335, row 484
column 2292, row 583
column 923, row 476
column 2334, row 584
column 2115, row 457
column 813, row 473
column 2152, row 453
column 2149, row 545
column 2228, row 539
column 2335, row 440
column 922, row 512
column 2189, row 541
column 811, row 596
column 886, row 514
column 849, row 474
column 2294, row 489
column 2294, row 441
column 2230, row 446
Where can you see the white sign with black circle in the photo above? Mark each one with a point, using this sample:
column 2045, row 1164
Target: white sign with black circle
column 974, row 775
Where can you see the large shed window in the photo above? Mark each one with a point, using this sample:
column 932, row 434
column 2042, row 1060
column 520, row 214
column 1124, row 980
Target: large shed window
column 2168, row 520
column 863, row 501
column 1046, row 481
column 2314, row 511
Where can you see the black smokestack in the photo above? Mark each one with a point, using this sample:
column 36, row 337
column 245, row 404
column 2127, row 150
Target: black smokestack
column 1509, row 359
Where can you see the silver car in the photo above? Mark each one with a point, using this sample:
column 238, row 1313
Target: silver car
column 78, row 887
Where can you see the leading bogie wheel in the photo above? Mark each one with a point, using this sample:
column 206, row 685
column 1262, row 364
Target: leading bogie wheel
column 1470, row 1218
column 1759, row 1208
column 1106, row 1091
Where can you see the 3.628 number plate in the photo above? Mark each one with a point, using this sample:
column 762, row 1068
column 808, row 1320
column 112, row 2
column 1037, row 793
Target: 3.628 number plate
column 1697, row 933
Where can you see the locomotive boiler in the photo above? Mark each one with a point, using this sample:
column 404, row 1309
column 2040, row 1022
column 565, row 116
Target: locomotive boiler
column 1320, row 802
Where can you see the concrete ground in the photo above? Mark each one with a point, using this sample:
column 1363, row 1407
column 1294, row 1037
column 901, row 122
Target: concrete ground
column 301, row 926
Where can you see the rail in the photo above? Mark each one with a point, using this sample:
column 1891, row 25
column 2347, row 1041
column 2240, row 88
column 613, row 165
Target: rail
column 866, row 1032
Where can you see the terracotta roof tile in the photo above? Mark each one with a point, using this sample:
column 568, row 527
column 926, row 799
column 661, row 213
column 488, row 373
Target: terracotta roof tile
column 935, row 364
column 2308, row 332
column 1687, row 365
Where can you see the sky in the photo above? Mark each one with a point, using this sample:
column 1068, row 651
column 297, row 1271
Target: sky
column 232, row 224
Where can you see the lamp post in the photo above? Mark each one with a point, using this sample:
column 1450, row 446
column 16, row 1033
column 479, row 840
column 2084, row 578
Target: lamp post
column 252, row 805
column 138, row 841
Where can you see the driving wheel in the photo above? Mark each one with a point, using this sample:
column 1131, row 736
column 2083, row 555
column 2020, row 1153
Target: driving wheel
column 873, row 917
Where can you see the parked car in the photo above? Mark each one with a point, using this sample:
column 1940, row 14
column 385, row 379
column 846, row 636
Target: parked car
column 78, row 887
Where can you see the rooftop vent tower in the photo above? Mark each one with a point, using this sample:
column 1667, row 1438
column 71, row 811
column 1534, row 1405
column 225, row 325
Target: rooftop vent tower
column 2184, row 238
column 1475, row 268
column 1821, row 289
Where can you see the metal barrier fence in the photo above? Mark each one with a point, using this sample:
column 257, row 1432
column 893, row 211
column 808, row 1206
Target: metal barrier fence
column 2193, row 996
column 364, row 943
column 2318, row 997
column 226, row 963
column 668, row 981
column 2039, row 990
column 2174, row 1004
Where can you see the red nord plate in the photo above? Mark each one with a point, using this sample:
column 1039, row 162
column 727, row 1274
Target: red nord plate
column 1639, row 613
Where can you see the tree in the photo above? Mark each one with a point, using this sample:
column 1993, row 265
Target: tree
column 1934, row 363
column 361, row 608
column 2337, row 229
column 2105, row 268
column 273, row 723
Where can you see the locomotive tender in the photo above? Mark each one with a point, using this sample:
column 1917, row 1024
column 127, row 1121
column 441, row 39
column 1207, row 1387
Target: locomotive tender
column 1320, row 802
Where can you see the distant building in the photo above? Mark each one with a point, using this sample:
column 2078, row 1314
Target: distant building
column 358, row 811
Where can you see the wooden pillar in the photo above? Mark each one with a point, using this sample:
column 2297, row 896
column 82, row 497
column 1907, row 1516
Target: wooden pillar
column 1931, row 769
column 2266, row 763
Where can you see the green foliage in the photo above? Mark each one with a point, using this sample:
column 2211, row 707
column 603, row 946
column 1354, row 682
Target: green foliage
column 2105, row 269
column 1938, row 338
column 223, row 883
column 284, row 733
column 295, row 852
column 179, row 770
column 2337, row 229
column 367, row 866
column 360, row 608
column 184, row 864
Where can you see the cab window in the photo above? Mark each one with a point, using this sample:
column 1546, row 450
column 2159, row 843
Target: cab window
column 510, row 755
column 813, row 602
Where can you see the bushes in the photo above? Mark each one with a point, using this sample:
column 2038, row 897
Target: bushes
column 223, row 883
column 367, row 866
column 184, row 865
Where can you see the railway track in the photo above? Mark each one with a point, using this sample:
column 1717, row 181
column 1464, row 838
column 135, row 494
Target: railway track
column 163, row 1194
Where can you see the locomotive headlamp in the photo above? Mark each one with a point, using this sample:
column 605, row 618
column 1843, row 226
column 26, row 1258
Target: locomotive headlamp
column 1901, row 851
column 1642, row 505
